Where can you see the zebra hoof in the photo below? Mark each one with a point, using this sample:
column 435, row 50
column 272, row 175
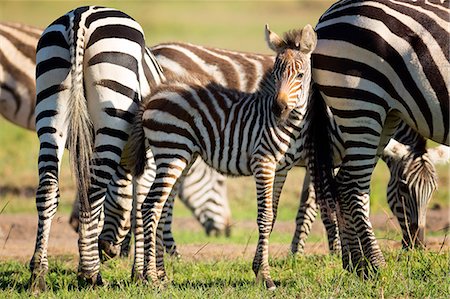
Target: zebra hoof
column 91, row 282
column 138, row 277
column 37, row 283
column 268, row 282
column 270, row 285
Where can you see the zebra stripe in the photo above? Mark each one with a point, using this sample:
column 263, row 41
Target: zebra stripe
column 182, row 59
column 17, row 103
column 102, row 50
column 235, row 133
column 389, row 60
column 17, row 86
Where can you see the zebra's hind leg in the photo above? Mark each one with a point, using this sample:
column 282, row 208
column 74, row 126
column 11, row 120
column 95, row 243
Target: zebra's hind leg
column 141, row 187
column 47, row 199
column 105, row 163
column 360, row 250
column 169, row 242
column 118, row 206
column 169, row 169
column 51, row 108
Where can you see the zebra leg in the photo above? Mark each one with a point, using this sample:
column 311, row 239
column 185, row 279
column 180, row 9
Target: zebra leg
column 279, row 180
column 168, row 170
column 264, row 177
column 306, row 214
column 142, row 186
column 204, row 192
column 118, row 205
column 169, row 242
column 359, row 245
column 104, row 166
column 51, row 109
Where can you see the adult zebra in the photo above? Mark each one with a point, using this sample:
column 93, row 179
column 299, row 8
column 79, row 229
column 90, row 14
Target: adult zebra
column 234, row 132
column 205, row 196
column 413, row 179
column 92, row 68
column 377, row 64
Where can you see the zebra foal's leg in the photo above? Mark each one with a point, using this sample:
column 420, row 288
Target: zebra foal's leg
column 142, row 185
column 264, row 177
column 168, row 171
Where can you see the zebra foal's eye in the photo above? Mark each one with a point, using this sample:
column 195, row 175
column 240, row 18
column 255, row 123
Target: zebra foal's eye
column 299, row 75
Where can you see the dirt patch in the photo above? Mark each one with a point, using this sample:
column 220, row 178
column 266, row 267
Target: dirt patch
column 18, row 233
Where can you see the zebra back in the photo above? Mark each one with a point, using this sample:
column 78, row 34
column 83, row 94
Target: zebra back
column 17, row 65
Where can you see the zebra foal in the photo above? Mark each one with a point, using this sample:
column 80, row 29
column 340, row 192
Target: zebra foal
column 235, row 133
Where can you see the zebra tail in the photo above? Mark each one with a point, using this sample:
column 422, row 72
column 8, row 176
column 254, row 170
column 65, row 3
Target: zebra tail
column 80, row 128
column 318, row 145
column 135, row 150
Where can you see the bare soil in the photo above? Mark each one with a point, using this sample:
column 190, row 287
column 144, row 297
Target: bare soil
column 18, row 233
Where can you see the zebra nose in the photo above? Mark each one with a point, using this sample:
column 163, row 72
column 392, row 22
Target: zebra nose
column 280, row 105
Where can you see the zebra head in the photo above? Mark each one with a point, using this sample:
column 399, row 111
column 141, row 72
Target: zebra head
column 412, row 183
column 292, row 69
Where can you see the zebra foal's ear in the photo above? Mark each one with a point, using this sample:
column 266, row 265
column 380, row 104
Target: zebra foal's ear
column 308, row 39
column 274, row 42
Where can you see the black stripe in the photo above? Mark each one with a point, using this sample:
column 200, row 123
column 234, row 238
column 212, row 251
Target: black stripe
column 45, row 114
column 113, row 132
column 120, row 88
column 117, row 58
column 122, row 114
column 51, row 64
column 46, row 130
column 118, row 32
column 104, row 15
column 54, row 89
column 52, row 38
column 108, row 148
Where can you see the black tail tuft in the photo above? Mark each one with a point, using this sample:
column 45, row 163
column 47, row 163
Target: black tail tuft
column 318, row 145
column 135, row 150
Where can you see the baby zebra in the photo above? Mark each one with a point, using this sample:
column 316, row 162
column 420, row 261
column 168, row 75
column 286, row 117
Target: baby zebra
column 235, row 133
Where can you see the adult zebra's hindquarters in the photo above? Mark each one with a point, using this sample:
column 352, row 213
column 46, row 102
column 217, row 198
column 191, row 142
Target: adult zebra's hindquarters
column 235, row 133
column 104, row 48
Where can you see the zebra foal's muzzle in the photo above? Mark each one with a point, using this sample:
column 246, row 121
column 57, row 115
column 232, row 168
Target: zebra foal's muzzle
column 280, row 106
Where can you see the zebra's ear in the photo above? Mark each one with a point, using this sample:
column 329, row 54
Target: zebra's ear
column 274, row 42
column 308, row 39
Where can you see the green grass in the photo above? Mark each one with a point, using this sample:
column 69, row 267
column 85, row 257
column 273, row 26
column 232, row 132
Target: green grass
column 417, row 274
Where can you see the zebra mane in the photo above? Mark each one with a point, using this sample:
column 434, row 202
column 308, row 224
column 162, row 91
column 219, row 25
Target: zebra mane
column 292, row 38
column 198, row 81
